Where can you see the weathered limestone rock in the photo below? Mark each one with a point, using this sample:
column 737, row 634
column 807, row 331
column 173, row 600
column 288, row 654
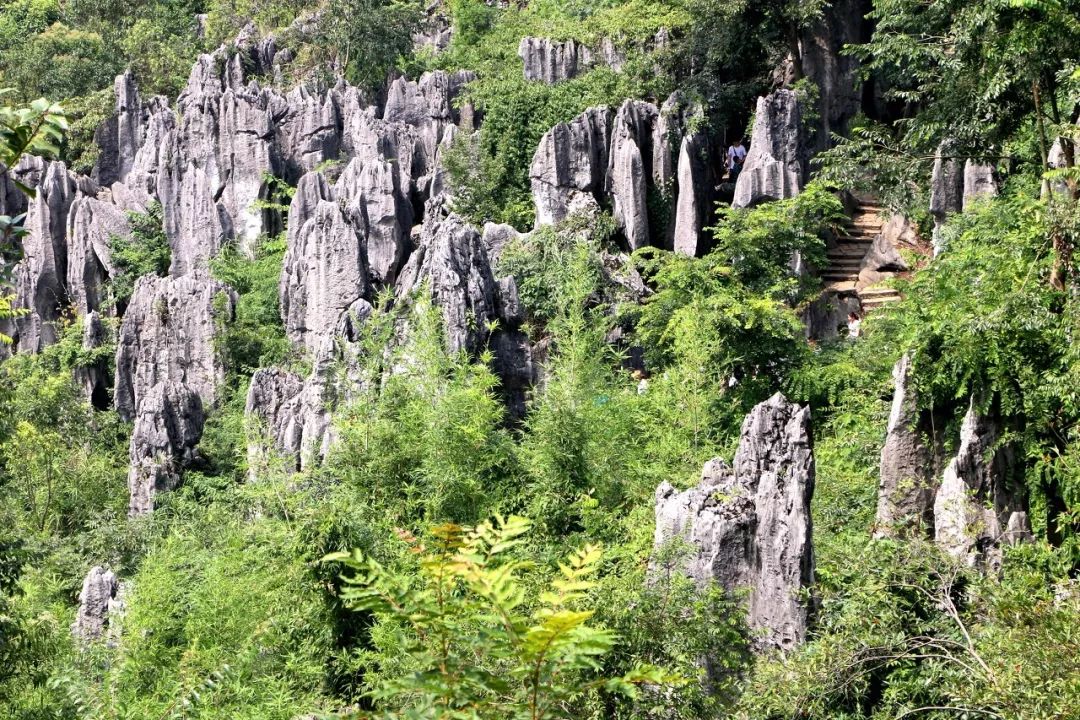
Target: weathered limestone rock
column 569, row 167
column 325, row 271
column 452, row 259
column 97, row 602
column 550, row 61
column 91, row 226
column 693, row 199
column 906, row 488
column 946, row 188
column 980, row 496
column 777, row 163
column 979, row 182
column 371, row 189
column 168, row 425
column 833, row 72
column 629, row 168
column 40, row 276
column 748, row 527
column 883, row 259
column 275, row 418
column 168, row 335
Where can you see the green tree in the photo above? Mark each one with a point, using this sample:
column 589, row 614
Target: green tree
column 472, row 646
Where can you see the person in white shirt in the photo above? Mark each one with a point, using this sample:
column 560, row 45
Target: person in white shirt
column 854, row 325
column 736, row 156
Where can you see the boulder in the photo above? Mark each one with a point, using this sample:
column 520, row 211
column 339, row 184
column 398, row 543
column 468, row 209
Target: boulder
column 169, row 335
column 168, row 425
column 778, row 161
column 883, row 259
column 748, row 527
column 906, row 486
column 97, row 602
column 980, row 503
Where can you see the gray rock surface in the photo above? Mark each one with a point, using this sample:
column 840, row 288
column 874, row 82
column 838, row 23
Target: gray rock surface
column 946, row 187
column 748, row 527
column 168, row 425
column 906, row 486
column 569, row 168
column 551, row 61
column 325, row 271
column 883, row 259
column 979, row 182
column 777, row 163
column 97, row 601
column 275, row 419
column 629, row 168
column 92, row 224
column 40, row 288
column 94, row 379
column 833, row 72
column 980, row 502
column 452, row 259
column 168, row 336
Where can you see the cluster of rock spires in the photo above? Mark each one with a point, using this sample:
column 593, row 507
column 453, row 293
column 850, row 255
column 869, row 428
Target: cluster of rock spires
column 972, row 508
column 748, row 527
column 553, row 61
column 605, row 158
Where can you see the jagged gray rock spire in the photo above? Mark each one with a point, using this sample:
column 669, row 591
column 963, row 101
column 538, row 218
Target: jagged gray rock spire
column 98, row 605
column 980, row 503
column 748, row 527
column 906, row 488
column 778, row 161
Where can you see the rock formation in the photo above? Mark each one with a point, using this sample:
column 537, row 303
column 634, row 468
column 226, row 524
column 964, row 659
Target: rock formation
column 906, row 488
column 603, row 159
column 168, row 335
column 946, row 188
column 168, row 425
column 99, row 605
column 748, row 527
column 979, row 182
column 980, row 502
column 778, row 161
column 883, row 259
column 550, row 61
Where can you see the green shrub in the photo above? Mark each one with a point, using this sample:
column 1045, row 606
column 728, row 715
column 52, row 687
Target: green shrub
column 145, row 252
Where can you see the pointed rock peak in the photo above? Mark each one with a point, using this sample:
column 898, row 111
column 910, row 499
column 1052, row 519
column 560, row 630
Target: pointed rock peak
column 748, row 526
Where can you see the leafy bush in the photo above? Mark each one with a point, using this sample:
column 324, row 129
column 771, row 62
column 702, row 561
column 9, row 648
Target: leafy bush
column 468, row 644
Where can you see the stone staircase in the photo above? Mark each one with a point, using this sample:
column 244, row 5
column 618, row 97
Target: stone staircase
column 841, row 275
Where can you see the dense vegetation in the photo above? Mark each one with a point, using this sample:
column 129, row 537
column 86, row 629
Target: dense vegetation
column 452, row 605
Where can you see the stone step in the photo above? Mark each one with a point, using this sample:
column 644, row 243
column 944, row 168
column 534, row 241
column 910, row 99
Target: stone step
column 878, row 291
column 842, row 286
